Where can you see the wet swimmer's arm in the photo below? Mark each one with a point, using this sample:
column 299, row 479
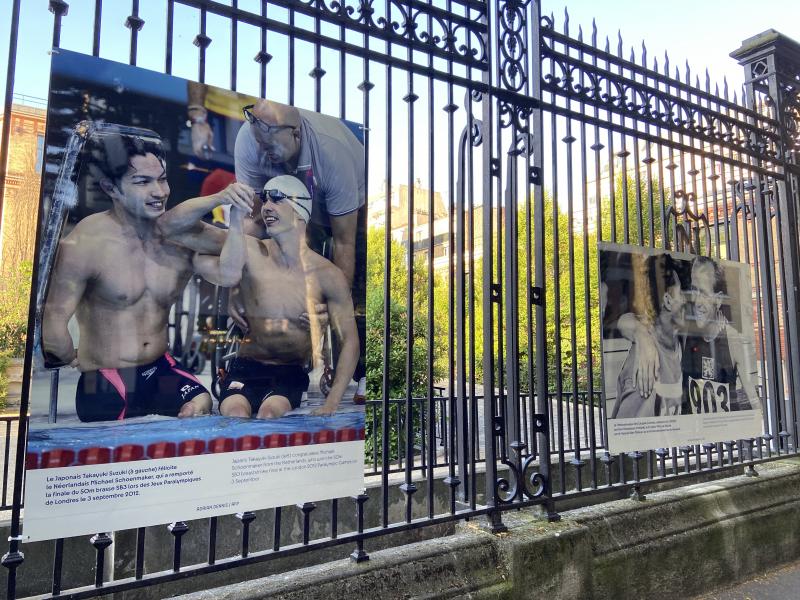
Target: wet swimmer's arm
column 183, row 224
column 647, row 364
column 340, row 311
column 67, row 286
column 226, row 269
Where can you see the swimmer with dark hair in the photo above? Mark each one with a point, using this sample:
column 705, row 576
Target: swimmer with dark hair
column 119, row 277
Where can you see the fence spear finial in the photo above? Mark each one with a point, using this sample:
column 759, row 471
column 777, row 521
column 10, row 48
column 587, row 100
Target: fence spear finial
column 666, row 63
column 608, row 45
column 688, row 73
column 725, row 87
column 708, row 82
column 594, row 33
column 644, row 55
column 580, row 33
column 566, row 21
column 619, row 43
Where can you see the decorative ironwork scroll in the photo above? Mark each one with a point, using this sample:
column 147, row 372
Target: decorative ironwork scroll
column 412, row 23
column 619, row 87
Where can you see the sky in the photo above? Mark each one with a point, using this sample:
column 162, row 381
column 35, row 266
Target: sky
column 704, row 31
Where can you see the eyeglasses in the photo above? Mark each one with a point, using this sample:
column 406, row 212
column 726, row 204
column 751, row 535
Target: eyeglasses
column 278, row 196
column 265, row 127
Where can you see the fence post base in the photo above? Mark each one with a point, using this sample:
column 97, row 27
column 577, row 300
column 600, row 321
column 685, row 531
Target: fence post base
column 12, row 560
column 637, row 495
column 359, row 555
column 494, row 522
column 550, row 512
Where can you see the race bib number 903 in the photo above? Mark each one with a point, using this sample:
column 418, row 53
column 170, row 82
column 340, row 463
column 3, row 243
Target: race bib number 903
column 708, row 396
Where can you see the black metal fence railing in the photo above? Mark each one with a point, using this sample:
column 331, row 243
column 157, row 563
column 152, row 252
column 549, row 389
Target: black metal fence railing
column 8, row 435
column 538, row 143
column 580, row 407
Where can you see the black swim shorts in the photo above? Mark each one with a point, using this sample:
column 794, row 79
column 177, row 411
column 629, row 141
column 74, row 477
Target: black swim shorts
column 161, row 387
column 257, row 382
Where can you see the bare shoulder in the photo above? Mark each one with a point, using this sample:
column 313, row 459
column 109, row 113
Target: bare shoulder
column 330, row 276
column 93, row 224
column 89, row 233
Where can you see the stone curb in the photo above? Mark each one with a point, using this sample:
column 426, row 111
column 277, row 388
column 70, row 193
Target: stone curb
column 675, row 544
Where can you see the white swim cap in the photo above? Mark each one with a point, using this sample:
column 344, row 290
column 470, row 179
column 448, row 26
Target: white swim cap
column 298, row 196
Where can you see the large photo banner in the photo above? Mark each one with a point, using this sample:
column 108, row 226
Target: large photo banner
column 679, row 360
column 199, row 342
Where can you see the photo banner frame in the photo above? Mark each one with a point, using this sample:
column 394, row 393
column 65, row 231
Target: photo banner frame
column 205, row 325
column 678, row 349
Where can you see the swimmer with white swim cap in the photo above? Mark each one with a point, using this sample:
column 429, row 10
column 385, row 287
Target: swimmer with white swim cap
column 282, row 284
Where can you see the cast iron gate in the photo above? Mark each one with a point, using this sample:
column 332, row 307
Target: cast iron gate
column 551, row 142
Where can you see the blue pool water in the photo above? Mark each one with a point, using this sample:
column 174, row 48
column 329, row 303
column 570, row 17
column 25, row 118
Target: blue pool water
column 144, row 432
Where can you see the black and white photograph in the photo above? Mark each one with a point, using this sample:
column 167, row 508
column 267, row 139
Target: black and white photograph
column 679, row 357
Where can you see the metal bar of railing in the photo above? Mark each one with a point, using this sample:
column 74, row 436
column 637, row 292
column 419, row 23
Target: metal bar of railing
column 169, row 36
column 6, row 461
column 234, row 48
column 58, row 563
column 387, row 292
column 134, row 23
column 409, row 487
column 8, row 100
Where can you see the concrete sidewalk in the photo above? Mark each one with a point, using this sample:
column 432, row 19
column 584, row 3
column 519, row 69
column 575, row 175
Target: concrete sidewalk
column 778, row 584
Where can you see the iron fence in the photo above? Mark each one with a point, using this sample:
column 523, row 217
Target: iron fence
column 537, row 128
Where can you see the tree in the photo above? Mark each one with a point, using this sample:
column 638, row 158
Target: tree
column 21, row 209
column 397, row 329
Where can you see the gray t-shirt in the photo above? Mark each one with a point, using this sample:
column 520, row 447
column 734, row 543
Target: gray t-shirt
column 331, row 164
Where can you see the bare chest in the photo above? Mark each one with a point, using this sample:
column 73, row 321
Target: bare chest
column 130, row 270
column 273, row 292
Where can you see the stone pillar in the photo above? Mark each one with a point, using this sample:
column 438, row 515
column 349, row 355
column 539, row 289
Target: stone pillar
column 772, row 71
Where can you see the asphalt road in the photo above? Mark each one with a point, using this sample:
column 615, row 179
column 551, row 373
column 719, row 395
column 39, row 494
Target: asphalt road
column 779, row 584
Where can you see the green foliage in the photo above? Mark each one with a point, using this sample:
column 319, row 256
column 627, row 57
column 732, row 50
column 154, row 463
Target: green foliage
column 571, row 277
column 572, row 304
column 15, row 293
column 645, row 206
column 5, row 360
column 398, row 314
